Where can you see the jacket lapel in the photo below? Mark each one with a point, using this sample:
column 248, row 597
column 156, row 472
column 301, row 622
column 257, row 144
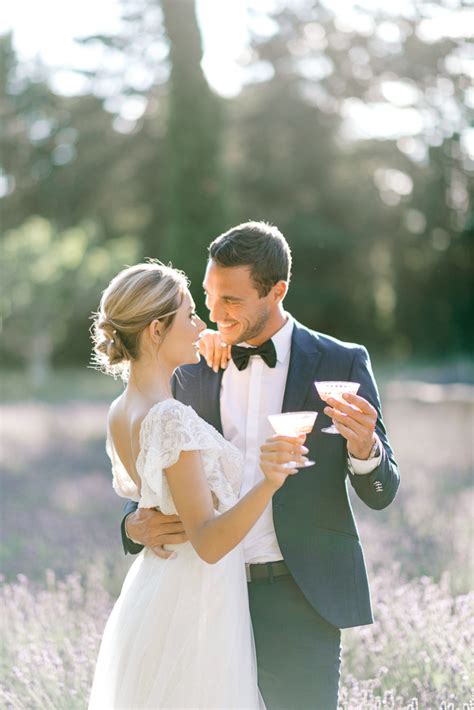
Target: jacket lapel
column 304, row 362
column 209, row 400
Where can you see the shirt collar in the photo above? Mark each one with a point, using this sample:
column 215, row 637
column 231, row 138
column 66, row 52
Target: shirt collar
column 281, row 339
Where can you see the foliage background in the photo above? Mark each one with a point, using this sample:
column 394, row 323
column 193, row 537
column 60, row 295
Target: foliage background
column 353, row 133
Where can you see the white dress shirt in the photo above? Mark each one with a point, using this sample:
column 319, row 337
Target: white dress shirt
column 247, row 398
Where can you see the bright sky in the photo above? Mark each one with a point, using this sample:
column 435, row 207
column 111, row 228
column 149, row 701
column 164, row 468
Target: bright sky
column 47, row 29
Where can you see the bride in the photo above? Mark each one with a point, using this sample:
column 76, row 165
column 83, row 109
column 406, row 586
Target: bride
column 180, row 634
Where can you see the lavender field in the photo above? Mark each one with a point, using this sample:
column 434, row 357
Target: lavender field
column 62, row 563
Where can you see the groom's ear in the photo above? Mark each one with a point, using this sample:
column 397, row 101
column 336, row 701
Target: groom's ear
column 279, row 291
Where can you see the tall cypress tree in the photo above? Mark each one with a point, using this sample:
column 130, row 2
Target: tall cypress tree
column 194, row 174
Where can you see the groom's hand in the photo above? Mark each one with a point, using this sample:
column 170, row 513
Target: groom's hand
column 153, row 529
column 215, row 352
column 355, row 419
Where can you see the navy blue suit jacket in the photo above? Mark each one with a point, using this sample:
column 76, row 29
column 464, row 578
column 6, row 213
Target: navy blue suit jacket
column 312, row 513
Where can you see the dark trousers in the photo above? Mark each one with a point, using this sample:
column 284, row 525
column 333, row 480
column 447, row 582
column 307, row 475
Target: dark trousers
column 298, row 652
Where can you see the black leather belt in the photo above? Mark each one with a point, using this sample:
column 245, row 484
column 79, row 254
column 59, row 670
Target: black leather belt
column 266, row 570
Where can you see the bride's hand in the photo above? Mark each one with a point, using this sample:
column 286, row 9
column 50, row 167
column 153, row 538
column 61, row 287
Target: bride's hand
column 278, row 451
column 215, row 352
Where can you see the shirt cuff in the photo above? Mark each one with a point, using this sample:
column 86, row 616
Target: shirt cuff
column 361, row 467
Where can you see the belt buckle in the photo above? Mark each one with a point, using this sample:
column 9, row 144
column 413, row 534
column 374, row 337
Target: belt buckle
column 247, row 572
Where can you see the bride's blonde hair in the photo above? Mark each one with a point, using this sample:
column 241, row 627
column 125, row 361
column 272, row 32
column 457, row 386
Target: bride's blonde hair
column 133, row 299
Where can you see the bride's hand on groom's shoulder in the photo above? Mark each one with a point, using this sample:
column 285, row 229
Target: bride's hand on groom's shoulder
column 214, row 351
column 276, row 453
column 153, row 529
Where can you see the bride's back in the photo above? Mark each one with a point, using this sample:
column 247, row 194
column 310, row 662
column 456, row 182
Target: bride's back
column 124, row 421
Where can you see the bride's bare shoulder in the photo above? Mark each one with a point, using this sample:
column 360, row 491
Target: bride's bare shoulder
column 125, row 418
column 126, row 415
column 116, row 413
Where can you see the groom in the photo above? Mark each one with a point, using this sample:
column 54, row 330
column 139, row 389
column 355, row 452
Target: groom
column 305, row 566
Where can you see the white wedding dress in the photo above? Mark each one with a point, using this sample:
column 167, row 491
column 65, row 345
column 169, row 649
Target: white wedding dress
column 180, row 634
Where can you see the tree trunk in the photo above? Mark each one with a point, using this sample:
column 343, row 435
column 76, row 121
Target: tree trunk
column 194, row 173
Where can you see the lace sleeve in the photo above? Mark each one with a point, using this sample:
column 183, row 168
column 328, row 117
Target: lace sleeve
column 169, row 428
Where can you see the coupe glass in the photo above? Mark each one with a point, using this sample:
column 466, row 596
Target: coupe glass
column 335, row 389
column 293, row 424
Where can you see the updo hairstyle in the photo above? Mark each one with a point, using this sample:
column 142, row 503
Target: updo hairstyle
column 134, row 298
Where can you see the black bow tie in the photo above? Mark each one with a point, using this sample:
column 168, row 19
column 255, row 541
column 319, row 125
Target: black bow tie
column 266, row 350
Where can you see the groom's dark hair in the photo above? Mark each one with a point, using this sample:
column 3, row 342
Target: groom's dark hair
column 260, row 246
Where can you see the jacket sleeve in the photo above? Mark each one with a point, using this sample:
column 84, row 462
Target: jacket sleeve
column 128, row 545
column 378, row 488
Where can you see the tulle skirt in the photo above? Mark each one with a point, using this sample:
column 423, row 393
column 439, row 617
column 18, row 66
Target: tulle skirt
column 179, row 636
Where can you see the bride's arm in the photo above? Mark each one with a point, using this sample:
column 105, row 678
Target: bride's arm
column 214, row 536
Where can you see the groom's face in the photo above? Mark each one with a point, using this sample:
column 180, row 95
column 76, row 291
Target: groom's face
column 234, row 303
